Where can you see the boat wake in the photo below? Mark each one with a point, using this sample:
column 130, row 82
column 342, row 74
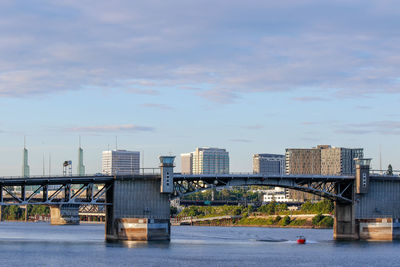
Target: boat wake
column 272, row 240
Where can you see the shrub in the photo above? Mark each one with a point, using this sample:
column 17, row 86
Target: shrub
column 298, row 222
column 285, row 221
column 317, row 218
column 270, row 221
column 326, row 222
column 237, row 211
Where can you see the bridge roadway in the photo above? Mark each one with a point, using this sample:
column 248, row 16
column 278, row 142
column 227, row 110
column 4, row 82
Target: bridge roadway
column 81, row 189
column 137, row 207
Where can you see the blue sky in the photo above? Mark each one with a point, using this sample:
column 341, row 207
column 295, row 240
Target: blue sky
column 166, row 77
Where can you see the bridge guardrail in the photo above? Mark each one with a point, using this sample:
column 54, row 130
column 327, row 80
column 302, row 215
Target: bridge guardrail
column 142, row 171
column 384, row 172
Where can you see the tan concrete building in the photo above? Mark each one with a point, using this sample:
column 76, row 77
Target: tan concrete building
column 187, row 163
column 303, row 161
column 339, row 160
column 322, row 159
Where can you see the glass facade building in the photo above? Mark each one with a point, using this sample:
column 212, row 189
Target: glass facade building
column 269, row 164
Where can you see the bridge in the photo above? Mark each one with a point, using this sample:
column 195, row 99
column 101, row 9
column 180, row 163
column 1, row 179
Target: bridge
column 137, row 207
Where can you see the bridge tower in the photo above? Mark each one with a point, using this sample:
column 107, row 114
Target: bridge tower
column 167, row 174
column 141, row 207
column 346, row 225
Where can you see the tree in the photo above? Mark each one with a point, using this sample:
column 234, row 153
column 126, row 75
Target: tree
column 389, row 170
column 225, row 194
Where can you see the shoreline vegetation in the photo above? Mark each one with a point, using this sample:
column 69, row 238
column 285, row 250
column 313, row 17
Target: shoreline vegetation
column 310, row 215
column 14, row 213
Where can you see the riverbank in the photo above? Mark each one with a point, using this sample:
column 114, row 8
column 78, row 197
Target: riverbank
column 273, row 221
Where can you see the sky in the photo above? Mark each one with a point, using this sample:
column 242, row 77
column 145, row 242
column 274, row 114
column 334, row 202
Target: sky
column 165, row 77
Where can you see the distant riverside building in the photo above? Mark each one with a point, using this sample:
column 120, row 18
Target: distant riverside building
column 205, row 160
column 303, row 161
column 323, row 159
column 339, row 160
column 187, row 163
column 269, row 164
column 278, row 194
column 120, row 162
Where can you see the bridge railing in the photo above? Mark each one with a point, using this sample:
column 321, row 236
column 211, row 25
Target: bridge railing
column 384, row 172
column 142, row 171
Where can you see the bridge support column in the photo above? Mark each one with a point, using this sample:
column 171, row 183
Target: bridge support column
column 67, row 214
column 345, row 226
column 139, row 211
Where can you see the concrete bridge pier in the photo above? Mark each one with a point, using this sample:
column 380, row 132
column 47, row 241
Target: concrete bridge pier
column 66, row 214
column 139, row 211
column 345, row 226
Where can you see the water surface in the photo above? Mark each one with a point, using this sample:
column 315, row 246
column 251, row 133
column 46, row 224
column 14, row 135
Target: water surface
column 40, row 244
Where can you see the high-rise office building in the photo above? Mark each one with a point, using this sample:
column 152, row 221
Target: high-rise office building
column 269, row 164
column 339, row 160
column 206, row 160
column 120, row 162
column 186, row 163
column 303, row 161
column 323, row 159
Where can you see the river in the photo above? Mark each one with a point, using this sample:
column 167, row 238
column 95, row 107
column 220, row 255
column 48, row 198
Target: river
column 40, row 244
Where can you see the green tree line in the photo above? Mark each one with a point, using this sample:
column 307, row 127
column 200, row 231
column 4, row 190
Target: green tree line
column 225, row 194
column 15, row 212
column 322, row 207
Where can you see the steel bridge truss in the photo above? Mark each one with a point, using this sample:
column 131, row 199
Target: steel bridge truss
column 89, row 209
column 67, row 193
column 335, row 189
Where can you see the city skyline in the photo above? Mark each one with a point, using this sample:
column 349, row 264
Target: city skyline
column 56, row 167
column 254, row 77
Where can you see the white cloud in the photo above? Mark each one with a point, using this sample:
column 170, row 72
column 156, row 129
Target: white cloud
column 233, row 47
column 111, row 128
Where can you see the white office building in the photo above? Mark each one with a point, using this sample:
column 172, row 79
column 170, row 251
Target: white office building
column 120, row 162
column 278, row 194
column 205, row 160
